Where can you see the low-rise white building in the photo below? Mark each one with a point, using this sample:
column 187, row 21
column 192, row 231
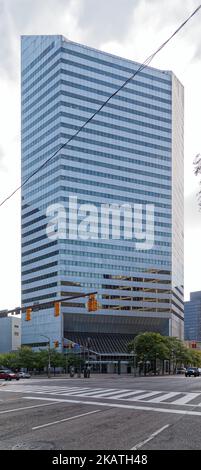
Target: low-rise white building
column 10, row 333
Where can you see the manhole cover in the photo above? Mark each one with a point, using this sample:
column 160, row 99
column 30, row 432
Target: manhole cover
column 34, row 445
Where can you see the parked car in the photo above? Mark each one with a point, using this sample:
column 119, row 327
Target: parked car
column 7, row 374
column 180, row 370
column 199, row 370
column 192, row 371
column 24, row 375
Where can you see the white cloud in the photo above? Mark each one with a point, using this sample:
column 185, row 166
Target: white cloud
column 105, row 19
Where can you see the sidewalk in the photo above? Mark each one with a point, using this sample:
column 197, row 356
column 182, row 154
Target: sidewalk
column 97, row 376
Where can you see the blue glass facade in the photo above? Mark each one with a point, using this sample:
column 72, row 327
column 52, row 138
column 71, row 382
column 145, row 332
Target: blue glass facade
column 130, row 153
column 192, row 317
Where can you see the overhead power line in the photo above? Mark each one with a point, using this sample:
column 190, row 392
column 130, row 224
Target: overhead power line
column 140, row 68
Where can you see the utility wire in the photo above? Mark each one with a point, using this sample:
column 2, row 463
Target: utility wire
column 140, row 68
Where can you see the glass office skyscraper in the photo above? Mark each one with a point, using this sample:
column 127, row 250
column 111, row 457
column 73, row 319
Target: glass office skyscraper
column 192, row 317
column 129, row 155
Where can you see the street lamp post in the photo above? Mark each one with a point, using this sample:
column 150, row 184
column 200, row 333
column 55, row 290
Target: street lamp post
column 173, row 360
column 145, row 366
column 66, row 362
column 49, row 363
column 134, row 356
column 88, row 346
column 134, row 362
column 80, row 358
column 156, row 356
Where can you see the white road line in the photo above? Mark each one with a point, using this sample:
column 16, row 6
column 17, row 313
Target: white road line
column 185, row 399
column 65, row 419
column 21, row 391
column 61, row 388
column 68, row 392
column 118, row 405
column 50, row 389
column 137, row 446
column 145, row 395
column 28, row 407
column 84, row 392
column 181, row 398
column 47, row 389
column 122, row 395
column 164, row 397
column 111, row 394
column 41, row 392
column 98, row 393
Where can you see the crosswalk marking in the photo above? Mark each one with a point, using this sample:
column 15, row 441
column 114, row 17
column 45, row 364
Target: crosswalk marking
column 50, row 389
column 70, row 392
column 108, row 393
column 164, row 397
column 95, row 392
column 130, row 393
column 188, row 397
column 120, row 405
column 146, row 396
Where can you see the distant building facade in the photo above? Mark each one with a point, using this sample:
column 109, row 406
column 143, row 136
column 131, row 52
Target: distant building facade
column 10, row 333
column 193, row 344
column 192, row 317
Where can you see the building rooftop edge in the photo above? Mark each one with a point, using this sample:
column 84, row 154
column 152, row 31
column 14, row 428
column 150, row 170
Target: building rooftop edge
column 65, row 39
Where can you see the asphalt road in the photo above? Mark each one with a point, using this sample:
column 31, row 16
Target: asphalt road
column 102, row 412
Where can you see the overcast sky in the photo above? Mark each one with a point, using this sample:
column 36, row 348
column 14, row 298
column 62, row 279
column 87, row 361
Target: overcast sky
column 129, row 28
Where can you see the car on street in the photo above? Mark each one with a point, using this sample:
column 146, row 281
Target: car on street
column 180, row 370
column 7, row 374
column 192, row 371
column 24, row 375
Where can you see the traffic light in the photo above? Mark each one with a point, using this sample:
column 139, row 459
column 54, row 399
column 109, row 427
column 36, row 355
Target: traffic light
column 56, row 343
column 56, row 309
column 92, row 304
column 28, row 314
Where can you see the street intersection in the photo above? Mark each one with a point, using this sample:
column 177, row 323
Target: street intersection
column 102, row 412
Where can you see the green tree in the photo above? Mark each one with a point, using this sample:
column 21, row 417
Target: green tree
column 178, row 352
column 26, row 357
column 149, row 347
column 74, row 360
column 41, row 359
column 56, row 359
column 10, row 360
column 194, row 358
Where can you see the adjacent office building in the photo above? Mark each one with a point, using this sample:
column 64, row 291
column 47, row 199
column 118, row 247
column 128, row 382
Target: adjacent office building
column 192, row 317
column 112, row 198
column 10, row 333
